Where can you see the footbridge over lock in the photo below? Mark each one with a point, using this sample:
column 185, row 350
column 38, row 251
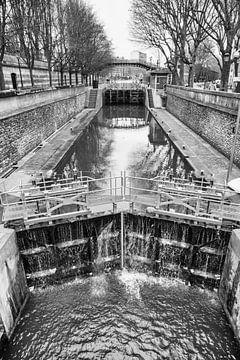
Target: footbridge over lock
column 127, row 199
column 49, row 201
column 171, row 227
column 127, row 68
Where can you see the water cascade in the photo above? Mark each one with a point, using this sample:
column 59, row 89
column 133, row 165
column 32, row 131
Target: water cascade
column 163, row 247
column 53, row 253
column 117, row 96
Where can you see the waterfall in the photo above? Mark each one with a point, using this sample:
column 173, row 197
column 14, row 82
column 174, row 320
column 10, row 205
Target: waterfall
column 158, row 246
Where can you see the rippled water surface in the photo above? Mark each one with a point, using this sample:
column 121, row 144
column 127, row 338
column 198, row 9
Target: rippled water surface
column 123, row 316
column 124, row 138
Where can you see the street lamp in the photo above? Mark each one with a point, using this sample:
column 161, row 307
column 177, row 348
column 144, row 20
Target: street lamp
column 19, row 69
column 234, row 146
column 236, row 57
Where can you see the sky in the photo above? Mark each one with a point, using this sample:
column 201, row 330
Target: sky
column 115, row 16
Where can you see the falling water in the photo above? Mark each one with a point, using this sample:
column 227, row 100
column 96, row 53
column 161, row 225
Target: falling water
column 123, row 315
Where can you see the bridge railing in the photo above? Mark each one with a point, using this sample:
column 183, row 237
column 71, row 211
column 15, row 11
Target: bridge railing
column 66, row 197
column 124, row 85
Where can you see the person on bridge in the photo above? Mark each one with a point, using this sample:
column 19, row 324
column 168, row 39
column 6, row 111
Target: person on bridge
column 211, row 181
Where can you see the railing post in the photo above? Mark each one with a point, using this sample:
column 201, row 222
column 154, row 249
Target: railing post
column 124, row 185
column 121, row 184
column 197, row 206
column 87, row 191
column 130, row 187
column 115, row 188
column 122, row 240
column 48, row 208
column 158, row 195
column 110, row 183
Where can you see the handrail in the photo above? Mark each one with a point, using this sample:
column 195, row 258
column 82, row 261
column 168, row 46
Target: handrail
column 31, row 200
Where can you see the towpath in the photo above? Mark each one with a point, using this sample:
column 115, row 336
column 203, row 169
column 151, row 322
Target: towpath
column 200, row 154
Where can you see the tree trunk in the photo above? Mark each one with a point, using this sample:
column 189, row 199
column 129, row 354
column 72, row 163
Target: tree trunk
column 70, row 76
column 2, row 81
column 175, row 77
column 181, row 74
column 49, row 73
column 31, row 75
column 76, row 77
column 225, row 75
column 61, row 76
column 191, row 75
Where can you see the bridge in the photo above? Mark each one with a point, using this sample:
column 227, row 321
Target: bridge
column 129, row 68
column 82, row 196
column 133, row 62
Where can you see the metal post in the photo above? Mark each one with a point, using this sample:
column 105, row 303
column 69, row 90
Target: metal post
column 234, row 146
column 130, row 187
column 124, row 185
column 122, row 240
column 121, row 184
column 20, row 71
column 110, row 183
column 115, row 186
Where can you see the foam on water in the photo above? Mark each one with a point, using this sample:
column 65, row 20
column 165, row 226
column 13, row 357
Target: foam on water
column 123, row 315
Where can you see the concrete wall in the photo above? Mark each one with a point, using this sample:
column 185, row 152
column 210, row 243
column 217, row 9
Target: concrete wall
column 211, row 114
column 24, row 131
column 229, row 291
column 14, row 291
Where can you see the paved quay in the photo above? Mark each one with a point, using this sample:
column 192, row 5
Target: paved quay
column 44, row 158
column 197, row 152
column 200, row 154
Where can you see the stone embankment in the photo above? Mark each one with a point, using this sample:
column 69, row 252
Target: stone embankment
column 23, row 129
column 210, row 114
column 197, row 151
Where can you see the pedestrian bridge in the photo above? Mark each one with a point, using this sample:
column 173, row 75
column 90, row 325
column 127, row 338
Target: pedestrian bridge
column 51, row 201
column 134, row 62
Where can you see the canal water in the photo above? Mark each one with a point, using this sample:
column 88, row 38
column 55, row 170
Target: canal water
column 123, row 315
column 124, row 138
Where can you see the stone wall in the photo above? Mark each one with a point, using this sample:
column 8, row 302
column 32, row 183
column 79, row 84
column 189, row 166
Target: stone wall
column 24, row 131
column 10, row 105
column 14, row 65
column 229, row 291
column 211, row 114
column 14, row 291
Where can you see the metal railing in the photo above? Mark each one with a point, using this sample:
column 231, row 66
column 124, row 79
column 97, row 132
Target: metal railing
column 51, row 199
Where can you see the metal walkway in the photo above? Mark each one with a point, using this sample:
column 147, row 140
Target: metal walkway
column 54, row 200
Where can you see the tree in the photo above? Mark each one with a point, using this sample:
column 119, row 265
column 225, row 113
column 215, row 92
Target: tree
column 3, row 20
column 171, row 27
column 151, row 24
column 61, row 51
column 89, row 47
column 222, row 32
column 26, row 23
column 47, row 11
column 197, row 31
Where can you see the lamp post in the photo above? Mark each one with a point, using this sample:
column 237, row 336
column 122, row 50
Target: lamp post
column 236, row 56
column 233, row 147
column 20, row 71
